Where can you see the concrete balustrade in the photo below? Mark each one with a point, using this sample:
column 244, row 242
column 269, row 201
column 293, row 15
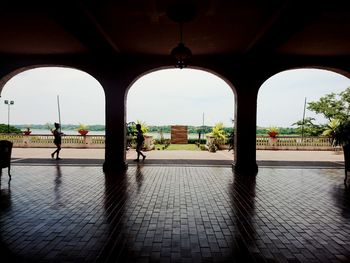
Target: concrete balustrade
column 98, row 141
column 46, row 140
column 294, row 143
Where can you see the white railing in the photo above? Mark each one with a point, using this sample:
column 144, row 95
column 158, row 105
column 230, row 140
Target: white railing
column 98, row 141
column 294, row 143
column 46, row 140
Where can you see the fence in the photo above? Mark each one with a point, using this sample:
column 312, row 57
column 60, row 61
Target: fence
column 98, row 141
column 46, row 141
column 294, row 143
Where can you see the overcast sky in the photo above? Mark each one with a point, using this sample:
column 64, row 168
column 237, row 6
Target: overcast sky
column 164, row 97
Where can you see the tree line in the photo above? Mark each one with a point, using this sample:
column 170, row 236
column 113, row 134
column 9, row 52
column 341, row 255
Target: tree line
column 18, row 128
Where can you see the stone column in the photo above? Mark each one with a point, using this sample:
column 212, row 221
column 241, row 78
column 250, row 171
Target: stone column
column 245, row 129
column 115, row 79
column 115, row 144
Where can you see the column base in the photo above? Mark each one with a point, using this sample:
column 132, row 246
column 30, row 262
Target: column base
column 115, row 166
column 245, row 169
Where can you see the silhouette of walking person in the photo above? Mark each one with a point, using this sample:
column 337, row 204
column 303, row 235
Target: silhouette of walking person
column 57, row 141
column 139, row 142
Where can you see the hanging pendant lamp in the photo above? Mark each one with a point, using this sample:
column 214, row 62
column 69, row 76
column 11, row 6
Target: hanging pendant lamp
column 181, row 54
column 181, row 11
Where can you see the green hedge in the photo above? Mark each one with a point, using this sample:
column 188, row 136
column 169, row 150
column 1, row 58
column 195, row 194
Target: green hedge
column 194, row 141
column 4, row 129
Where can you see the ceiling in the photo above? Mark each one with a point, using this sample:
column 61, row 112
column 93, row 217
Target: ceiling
column 142, row 27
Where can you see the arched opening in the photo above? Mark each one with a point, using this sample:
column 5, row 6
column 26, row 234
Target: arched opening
column 44, row 95
column 284, row 107
column 168, row 99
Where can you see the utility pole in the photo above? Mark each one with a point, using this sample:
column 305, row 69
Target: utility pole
column 203, row 120
column 302, row 126
column 8, row 103
column 201, row 130
column 203, row 125
column 59, row 112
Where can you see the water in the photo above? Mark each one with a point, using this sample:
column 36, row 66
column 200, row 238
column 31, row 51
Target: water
column 155, row 135
column 67, row 132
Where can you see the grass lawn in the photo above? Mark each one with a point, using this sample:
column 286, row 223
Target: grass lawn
column 177, row 147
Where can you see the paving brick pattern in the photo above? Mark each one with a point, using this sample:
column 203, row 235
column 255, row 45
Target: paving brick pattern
column 174, row 214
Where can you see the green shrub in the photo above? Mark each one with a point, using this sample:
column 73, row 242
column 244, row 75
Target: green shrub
column 4, row 128
column 195, row 141
column 219, row 135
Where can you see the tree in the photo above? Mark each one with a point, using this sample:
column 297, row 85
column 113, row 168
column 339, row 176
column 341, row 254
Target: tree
column 331, row 128
column 4, row 128
column 333, row 106
column 308, row 127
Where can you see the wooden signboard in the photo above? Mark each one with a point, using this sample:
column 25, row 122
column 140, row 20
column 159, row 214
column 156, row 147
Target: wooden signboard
column 179, row 134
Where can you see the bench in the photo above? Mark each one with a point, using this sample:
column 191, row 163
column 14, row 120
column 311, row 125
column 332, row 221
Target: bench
column 5, row 156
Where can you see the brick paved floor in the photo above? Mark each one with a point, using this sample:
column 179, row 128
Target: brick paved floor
column 173, row 214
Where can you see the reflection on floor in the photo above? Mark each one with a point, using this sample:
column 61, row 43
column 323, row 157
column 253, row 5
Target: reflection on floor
column 174, row 214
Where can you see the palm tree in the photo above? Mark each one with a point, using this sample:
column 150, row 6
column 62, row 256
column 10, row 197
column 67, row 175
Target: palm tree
column 339, row 132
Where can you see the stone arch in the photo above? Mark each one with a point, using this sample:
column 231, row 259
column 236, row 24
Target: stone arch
column 278, row 70
column 12, row 73
column 228, row 82
column 325, row 69
column 203, row 69
column 95, row 87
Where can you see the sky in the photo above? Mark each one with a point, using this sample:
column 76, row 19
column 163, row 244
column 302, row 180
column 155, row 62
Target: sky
column 281, row 98
column 164, row 97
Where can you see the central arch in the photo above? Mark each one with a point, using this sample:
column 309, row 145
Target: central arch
column 200, row 74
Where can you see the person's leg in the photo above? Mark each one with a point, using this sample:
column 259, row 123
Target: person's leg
column 58, row 152
column 138, row 153
column 141, row 153
column 138, row 150
column 55, row 152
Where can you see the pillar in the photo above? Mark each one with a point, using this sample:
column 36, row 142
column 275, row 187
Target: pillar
column 245, row 129
column 115, row 144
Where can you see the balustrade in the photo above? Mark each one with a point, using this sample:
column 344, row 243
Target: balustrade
column 98, row 141
column 46, row 140
column 293, row 143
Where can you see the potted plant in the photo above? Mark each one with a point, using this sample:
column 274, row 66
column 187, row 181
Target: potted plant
column 27, row 132
column 272, row 132
column 339, row 132
column 130, row 134
column 216, row 138
column 83, row 129
column 211, row 146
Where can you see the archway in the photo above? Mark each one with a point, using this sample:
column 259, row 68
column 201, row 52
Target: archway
column 37, row 93
column 188, row 97
column 283, row 104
